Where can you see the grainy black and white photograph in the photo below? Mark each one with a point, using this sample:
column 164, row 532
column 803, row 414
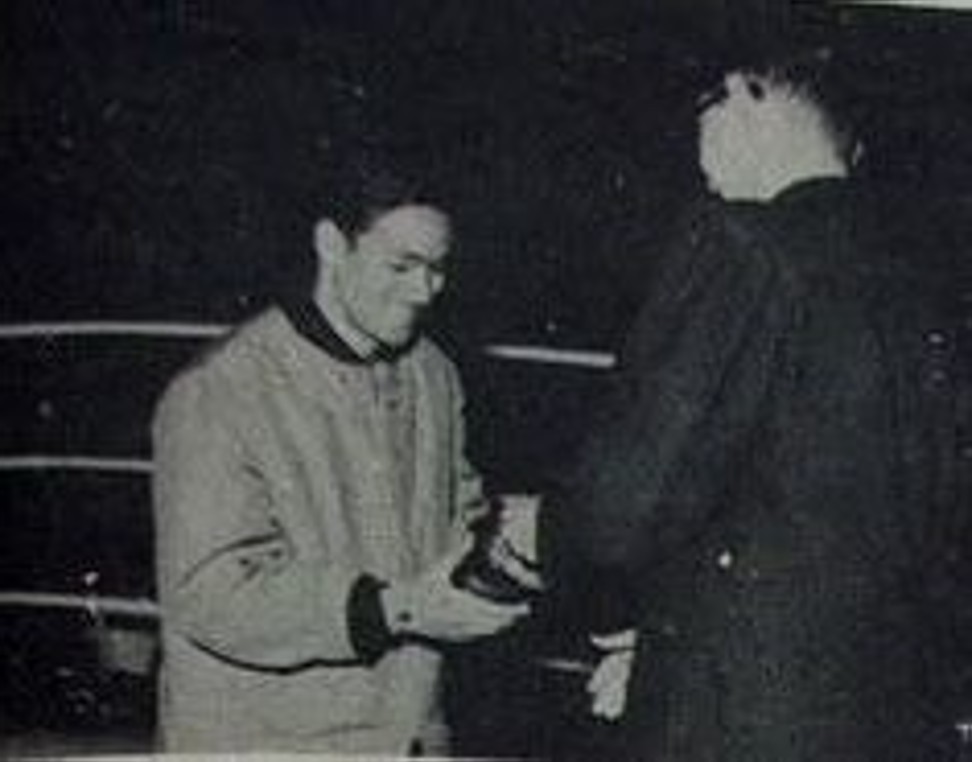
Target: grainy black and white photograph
column 562, row 380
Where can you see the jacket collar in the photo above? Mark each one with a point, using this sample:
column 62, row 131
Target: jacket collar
column 308, row 320
column 834, row 192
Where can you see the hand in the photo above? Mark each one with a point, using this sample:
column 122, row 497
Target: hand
column 432, row 607
column 608, row 686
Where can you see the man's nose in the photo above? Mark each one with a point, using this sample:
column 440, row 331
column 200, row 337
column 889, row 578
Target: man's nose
column 423, row 287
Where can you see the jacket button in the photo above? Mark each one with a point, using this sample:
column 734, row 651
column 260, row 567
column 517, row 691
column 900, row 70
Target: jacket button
column 725, row 560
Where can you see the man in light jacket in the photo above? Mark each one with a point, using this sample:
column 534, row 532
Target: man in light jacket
column 312, row 498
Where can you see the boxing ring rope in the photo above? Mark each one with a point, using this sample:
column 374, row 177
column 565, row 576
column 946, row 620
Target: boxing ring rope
column 96, row 605
column 74, row 463
column 582, row 358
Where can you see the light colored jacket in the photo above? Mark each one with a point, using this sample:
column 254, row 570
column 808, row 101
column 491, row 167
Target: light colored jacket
column 280, row 479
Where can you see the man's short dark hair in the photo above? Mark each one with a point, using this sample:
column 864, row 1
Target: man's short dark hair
column 361, row 182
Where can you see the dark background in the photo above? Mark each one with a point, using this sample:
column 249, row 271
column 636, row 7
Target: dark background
column 151, row 155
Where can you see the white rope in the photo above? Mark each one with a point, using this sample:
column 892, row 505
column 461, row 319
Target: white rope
column 112, row 328
column 527, row 353
column 74, row 463
column 550, row 356
column 142, row 608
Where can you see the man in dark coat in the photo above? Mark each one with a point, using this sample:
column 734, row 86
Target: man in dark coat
column 760, row 482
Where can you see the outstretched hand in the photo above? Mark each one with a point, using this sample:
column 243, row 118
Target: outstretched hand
column 608, row 685
column 432, row 607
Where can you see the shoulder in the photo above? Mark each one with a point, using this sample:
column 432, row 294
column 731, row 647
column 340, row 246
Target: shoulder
column 428, row 352
column 219, row 375
column 714, row 234
column 720, row 250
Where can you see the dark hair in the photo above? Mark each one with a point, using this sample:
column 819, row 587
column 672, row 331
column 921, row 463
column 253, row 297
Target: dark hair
column 360, row 182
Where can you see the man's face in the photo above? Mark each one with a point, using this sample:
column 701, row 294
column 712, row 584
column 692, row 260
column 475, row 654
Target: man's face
column 392, row 271
column 729, row 127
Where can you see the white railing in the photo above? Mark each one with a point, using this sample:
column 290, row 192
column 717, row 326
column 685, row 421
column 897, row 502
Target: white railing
column 581, row 358
column 74, row 463
column 584, row 358
column 111, row 328
column 96, row 605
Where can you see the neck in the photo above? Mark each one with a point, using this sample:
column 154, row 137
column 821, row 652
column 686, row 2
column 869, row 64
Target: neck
column 802, row 152
column 327, row 300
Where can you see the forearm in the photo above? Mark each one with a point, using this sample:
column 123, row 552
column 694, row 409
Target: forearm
column 265, row 608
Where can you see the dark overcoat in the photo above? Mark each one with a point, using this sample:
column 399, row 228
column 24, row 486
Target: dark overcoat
column 761, row 481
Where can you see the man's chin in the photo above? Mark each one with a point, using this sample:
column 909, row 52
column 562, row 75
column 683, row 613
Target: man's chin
column 395, row 341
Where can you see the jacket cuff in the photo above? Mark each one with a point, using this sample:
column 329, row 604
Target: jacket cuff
column 368, row 629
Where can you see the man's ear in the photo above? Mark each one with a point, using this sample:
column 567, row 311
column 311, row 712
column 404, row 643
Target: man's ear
column 329, row 242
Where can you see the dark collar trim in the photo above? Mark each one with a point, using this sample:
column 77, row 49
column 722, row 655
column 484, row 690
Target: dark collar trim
column 308, row 320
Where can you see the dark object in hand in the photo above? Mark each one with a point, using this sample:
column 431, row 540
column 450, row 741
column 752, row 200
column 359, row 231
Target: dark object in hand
column 486, row 569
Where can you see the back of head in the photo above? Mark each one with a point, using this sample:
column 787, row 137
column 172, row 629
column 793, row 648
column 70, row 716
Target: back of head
column 774, row 122
column 817, row 77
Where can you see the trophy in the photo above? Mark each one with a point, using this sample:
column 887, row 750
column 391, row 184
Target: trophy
column 501, row 566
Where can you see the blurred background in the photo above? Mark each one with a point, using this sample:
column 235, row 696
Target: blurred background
column 150, row 155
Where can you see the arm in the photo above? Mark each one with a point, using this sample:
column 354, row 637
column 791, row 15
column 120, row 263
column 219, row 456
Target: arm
column 663, row 450
column 230, row 577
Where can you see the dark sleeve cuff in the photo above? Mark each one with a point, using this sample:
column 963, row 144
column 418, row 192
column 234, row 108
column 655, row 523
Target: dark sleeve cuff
column 368, row 629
